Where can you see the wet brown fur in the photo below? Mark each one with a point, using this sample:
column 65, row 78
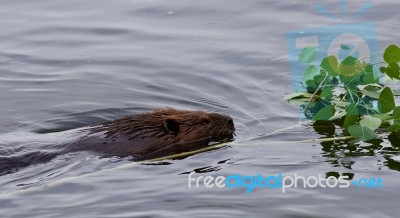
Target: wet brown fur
column 192, row 125
column 142, row 136
column 167, row 127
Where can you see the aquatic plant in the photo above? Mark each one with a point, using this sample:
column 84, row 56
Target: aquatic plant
column 349, row 93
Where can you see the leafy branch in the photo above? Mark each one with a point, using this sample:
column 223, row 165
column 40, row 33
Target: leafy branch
column 348, row 93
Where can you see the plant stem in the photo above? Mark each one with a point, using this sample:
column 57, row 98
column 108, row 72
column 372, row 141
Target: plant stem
column 315, row 93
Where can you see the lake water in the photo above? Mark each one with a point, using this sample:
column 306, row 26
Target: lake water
column 69, row 64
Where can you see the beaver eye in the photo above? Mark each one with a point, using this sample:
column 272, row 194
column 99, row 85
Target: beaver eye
column 205, row 122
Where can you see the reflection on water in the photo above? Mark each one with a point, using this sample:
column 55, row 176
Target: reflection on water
column 71, row 64
column 346, row 154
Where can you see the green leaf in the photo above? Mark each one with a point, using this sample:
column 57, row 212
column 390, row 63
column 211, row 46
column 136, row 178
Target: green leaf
column 394, row 128
column 311, row 85
column 348, row 67
column 352, row 109
column 299, row 102
column 351, row 115
column 393, row 71
column 331, row 65
column 344, row 47
column 310, row 73
column 372, row 123
column 325, row 113
column 392, row 54
column 307, row 55
column 349, row 120
column 340, row 112
column 396, row 115
column 341, row 103
column 319, row 78
column 348, row 80
column 383, row 117
column 371, row 90
column 369, row 76
column 386, row 100
column 326, row 93
column 362, row 132
column 297, row 95
column 370, row 87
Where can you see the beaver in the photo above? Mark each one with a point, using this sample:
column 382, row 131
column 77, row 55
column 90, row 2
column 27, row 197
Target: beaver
column 142, row 136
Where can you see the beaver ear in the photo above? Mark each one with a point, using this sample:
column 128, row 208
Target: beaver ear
column 172, row 126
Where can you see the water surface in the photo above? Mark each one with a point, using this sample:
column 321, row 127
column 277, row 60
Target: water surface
column 69, row 64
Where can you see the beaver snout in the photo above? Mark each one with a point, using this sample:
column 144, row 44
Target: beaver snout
column 228, row 128
column 231, row 125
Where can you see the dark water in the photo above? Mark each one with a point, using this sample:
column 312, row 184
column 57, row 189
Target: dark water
column 68, row 64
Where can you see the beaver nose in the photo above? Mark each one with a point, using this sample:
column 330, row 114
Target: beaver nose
column 230, row 122
column 231, row 125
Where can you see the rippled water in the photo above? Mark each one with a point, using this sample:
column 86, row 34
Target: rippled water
column 68, row 64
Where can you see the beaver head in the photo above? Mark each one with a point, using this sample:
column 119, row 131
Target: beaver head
column 167, row 131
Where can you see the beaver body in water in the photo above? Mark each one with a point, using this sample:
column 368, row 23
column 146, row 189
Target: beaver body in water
column 142, row 136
